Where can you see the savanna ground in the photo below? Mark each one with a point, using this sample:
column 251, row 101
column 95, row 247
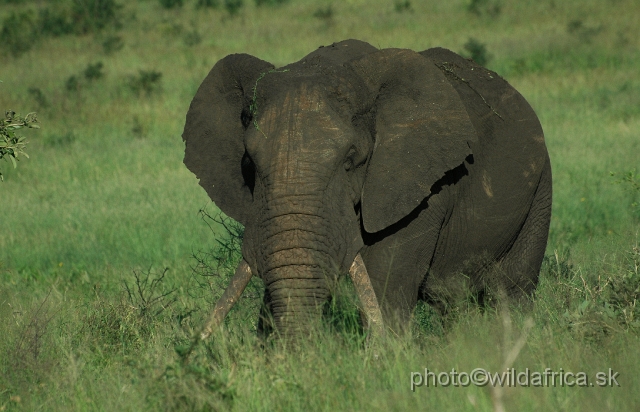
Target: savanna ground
column 104, row 208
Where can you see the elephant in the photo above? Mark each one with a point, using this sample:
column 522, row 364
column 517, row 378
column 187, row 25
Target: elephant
column 422, row 175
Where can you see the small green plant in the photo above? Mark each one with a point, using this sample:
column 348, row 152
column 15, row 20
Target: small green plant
column 19, row 32
column 192, row 38
column 72, row 84
column 233, row 6
column 477, row 51
column 402, row 6
column 631, row 181
column 146, row 82
column 112, row 44
column 324, row 13
column 93, row 71
column 94, row 15
column 59, row 140
column 270, row 2
column 584, row 33
column 138, row 129
column 491, row 8
column 214, row 4
column 55, row 22
column 171, row 4
column 39, row 97
column 12, row 145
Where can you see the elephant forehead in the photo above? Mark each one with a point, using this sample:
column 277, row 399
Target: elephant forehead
column 299, row 121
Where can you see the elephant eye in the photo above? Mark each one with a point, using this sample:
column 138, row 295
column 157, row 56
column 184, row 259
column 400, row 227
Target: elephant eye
column 245, row 118
column 349, row 160
column 248, row 172
column 348, row 164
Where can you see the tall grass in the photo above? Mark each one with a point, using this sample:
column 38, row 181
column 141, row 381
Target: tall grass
column 104, row 201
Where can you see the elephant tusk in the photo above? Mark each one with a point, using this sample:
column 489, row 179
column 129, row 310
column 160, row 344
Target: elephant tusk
column 364, row 289
column 238, row 283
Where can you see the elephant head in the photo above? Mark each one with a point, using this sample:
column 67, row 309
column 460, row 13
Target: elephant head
column 313, row 156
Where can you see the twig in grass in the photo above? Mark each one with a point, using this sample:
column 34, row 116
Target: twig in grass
column 510, row 356
column 144, row 297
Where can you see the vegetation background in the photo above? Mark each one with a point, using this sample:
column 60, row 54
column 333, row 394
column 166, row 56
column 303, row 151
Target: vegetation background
column 107, row 266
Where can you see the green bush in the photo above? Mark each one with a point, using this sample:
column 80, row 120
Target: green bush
column 93, row 15
column 93, row 71
column 192, row 38
column 19, row 32
column 214, row 4
column 401, row 6
column 90, row 74
column 270, row 2
column 55, row 22
column 39, row 97
column 112, row 44
column 476, row 51
column 233, row 6
column 146, row 82
column 491, row 8
column 60, row 140
column 324, row 13
column 171, row 4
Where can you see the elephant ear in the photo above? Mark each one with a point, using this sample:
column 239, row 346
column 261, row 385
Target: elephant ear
column 213, row 132
column 422, row 130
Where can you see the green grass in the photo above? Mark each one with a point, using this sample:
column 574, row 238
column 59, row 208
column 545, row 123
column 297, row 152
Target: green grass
column 105, row 194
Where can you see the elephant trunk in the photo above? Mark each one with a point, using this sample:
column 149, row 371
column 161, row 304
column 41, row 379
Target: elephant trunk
column 295, row 260
column 296, row 304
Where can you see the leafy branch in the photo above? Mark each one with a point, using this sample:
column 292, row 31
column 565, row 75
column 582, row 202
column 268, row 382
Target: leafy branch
column 12, row 145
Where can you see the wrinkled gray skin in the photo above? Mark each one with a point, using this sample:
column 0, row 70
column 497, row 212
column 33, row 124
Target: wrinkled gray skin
column 432, row 167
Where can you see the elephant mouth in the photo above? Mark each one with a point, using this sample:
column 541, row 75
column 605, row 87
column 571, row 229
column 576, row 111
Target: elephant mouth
column 243, row 274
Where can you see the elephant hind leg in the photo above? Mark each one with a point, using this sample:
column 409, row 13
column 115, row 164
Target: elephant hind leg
column 520, row 268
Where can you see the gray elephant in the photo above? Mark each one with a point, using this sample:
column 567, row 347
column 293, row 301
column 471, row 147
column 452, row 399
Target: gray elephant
column 420, row 174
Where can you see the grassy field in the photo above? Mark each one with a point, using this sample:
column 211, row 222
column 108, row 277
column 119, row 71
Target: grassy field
column 105, row 201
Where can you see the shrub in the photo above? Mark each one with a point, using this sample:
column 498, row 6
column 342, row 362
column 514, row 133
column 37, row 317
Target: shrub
column 401, row 6
column 60, row 140
column 147, row 82
column 90, row 74
column 72, row 84
column 214, row 4
column 192, row 38
column 93, row 15
column 270, row 2
column 583, row 32
column 477, row 51
column 489, row 8
column 170, row 4
column 93, row 71
column 325, row 13
column 112, row 44
column 233, row 6
column 39, row 97
column 19, row 32
column 55, row 23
